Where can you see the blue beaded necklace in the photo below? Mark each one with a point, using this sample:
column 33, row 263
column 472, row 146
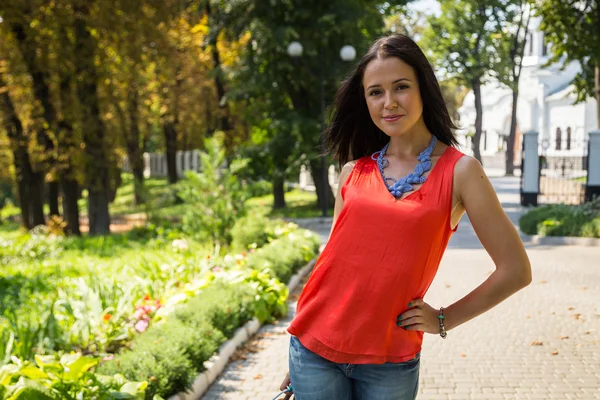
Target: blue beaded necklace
column 403, row 185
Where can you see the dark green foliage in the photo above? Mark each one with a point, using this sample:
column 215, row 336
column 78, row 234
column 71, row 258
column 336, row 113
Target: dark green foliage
column 260, row 188
column 166, row 367
column 225, row 306
column 170, row 354
column 283, row 257
column 572, row 29
column 253, row 228
column 563, row 220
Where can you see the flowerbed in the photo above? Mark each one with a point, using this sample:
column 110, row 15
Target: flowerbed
column 95, row 296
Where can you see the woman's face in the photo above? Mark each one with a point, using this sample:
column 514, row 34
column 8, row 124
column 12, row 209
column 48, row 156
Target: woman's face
column 392, row 93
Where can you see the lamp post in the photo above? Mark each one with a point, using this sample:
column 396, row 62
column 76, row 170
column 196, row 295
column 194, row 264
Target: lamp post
column 347, row 53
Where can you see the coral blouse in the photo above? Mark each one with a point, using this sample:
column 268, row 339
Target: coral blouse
column 382, row 254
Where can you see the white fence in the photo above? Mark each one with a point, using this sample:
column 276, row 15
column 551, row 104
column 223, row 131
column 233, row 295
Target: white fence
column 155, row 166
column 306, row 182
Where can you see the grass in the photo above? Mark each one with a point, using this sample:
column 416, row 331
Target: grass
column 299, row 204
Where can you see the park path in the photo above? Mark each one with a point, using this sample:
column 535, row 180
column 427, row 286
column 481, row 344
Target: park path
column 542, row 343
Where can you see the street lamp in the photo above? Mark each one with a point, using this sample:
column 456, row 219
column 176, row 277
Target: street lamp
column 347, row 53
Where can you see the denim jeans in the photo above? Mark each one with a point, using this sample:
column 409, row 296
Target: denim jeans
column 316, row 378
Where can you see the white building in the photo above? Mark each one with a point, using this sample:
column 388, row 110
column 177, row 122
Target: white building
column 545, row 105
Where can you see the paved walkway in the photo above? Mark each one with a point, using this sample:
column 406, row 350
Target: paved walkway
column 542, row 343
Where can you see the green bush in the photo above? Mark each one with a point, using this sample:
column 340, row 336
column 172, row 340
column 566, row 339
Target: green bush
column 225, row 306
column 563, row 220
column 216, row 195
column 260, row 188
column 255, row 228
column 170, row 354
column 284, row 256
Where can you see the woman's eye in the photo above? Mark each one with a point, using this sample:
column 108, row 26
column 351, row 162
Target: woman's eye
column 402, row 87
column 374, row 93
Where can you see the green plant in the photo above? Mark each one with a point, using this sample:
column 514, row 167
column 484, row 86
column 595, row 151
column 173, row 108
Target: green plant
column 253, row 229
column 563, row 220
column 260, row 188
column 69, row 377
column 282, row 257
column 216, row 195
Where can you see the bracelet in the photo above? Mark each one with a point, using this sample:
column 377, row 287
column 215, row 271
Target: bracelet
column 441, row 320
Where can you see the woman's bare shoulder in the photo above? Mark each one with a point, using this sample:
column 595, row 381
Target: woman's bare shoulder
column 346, row 170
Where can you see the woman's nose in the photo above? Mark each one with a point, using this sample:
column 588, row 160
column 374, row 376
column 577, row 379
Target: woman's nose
column 390, row 102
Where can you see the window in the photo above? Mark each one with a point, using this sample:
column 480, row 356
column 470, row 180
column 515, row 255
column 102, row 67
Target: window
column 544, row 45
column 569, row 138
column 558, row 139
column 530, row 41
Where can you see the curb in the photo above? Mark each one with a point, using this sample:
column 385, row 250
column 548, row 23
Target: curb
column 560, row 240
column 217, row 363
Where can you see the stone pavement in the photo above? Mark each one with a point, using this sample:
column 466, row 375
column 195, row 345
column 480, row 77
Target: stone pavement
column 542, row 343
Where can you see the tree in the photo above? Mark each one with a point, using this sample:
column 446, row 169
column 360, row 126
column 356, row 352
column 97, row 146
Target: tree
column 18, row 143
column 465, row 42
column 573, row 29
column 509, row 70
column 98, row 162
column 295, row 85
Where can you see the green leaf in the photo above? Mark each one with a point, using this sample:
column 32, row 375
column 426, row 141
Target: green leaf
column 75, row 368
column 33, row 372
column 47, row 361
column 134, row 387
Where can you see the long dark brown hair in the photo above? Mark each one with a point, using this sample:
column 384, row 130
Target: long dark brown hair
column 352, row 133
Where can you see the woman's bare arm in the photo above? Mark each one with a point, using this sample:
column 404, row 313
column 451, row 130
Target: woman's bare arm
column 498, row 236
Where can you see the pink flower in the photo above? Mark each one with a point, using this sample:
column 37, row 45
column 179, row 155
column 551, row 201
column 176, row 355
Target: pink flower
column 139, row 313
column 217, row 269
column 141, row 325
column 108, row 357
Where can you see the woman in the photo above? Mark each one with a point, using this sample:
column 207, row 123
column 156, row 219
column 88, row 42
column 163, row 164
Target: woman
column 361, row 317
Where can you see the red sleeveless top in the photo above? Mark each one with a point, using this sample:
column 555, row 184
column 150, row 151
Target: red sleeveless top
column 382, row 254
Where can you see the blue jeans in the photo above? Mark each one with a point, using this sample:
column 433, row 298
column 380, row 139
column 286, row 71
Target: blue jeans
column 316, row 378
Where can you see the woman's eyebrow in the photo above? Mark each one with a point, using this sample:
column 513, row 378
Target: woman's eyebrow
column 396, row 81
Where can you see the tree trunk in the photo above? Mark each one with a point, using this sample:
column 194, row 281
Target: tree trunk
column 23, row 176
column 478, row 119
column 41, row 89
column 278, row 191
column 18, row 143
column 135, row 152
column 37, row 199
column 70, row 195
column 316, row 172
column 224, row 123
column 53, row 193
column 510, row 146
column 171, row 147
column 97, row 160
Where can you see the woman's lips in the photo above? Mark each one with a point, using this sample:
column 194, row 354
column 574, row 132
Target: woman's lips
column 392, row 118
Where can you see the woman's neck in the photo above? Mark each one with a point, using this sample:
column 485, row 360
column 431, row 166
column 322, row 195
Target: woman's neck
column 409, row 145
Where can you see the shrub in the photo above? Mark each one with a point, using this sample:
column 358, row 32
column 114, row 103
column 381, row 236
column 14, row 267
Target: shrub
column 254, row 228
column 170, row 354
column 563, row 220
column 216, row 194
column 284, row 256
column 260, row 188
